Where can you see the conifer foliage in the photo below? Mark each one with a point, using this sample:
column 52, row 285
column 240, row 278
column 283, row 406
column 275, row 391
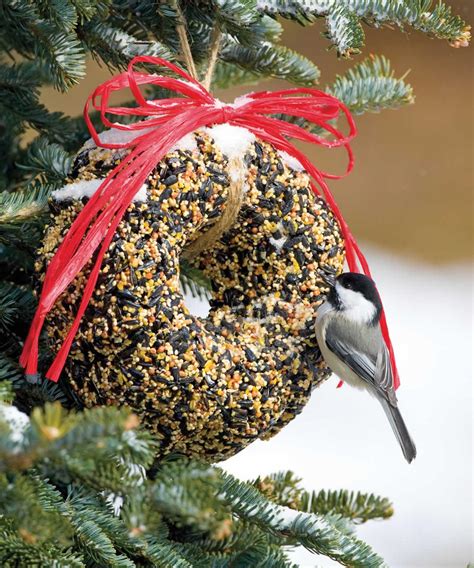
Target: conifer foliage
column 74, row 492
column 82, row 488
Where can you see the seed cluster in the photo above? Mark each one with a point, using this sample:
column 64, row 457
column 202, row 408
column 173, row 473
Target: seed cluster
column 207, row 387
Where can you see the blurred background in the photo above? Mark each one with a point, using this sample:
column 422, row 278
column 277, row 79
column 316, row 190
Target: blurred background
column 409, row 203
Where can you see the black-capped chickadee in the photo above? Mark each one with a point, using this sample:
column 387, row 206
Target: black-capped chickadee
column 351, row 342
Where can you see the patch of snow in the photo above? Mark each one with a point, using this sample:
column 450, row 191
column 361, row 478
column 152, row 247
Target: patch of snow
column 242, row 100
column 141, row 195
column 116, row 501
column 278, row 243
column 285, row 517
column 17, row 422
column 319, row 7
column 116, row 136
column 290, row 161
column 233, row 141
column 87, row 188
column 188, row 142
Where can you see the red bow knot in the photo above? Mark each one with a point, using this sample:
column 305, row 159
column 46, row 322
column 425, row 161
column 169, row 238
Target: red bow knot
column 164, row 123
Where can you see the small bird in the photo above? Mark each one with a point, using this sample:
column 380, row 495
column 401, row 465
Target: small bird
column 351, row 342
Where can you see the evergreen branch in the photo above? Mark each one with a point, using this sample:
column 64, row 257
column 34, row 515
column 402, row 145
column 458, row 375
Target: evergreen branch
column 344, row 30
column 164, row 555
column 47, row 160
column 54, row 496
column 241, row 20
column 244, row 545
column 356, row 506
column 17, row 206
column 22, row 216
column 20, row 80
column 263, row 29
column 227, row 75
column 284, row 489
column 16, row 303
column 116, row 48
column 19, row 97
column 121, row 444
column 34, row 506
column 86, row 9
column 30, row 34
column 61, row 12
column 371, row 86
column 235, row 13
column 9, row 369
column 28, row 395
column 6, row 391
column 62, row 51
column 312, row 531
column 301, row 11
column 271, row 60
column 187, row 494
column 95, row 545
column 16, row 551
column 17, row 259
column 343, row 18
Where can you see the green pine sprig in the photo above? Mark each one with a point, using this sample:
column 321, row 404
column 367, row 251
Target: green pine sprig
column 75, row 485
column 344, row 19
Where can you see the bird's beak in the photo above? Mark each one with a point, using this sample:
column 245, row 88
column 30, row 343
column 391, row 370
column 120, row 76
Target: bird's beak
column 329, row 279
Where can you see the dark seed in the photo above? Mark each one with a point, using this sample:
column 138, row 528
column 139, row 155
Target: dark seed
column 250, row 354
column 287, row 207
column 126, row 295
column 333, row 251
column 175, row 373
column 170, row 180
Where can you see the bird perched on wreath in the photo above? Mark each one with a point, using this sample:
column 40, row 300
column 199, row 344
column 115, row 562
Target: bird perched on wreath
column 351, row 342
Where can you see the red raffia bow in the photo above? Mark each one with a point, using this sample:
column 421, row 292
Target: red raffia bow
column 168, row 121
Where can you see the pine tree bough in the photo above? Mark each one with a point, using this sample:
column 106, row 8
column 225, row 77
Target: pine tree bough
column 183, row 514
column 206, row 387
column 344, row 18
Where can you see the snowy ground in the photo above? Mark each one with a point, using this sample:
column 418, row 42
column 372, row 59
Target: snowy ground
column 342, row 439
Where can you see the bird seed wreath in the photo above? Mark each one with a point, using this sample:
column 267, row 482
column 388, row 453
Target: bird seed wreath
column 238, row 200
column 206, row 386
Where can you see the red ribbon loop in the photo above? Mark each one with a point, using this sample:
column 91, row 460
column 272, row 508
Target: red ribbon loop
column 163, row 123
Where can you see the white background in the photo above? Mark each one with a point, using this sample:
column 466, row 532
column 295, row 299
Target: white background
column 342, row 438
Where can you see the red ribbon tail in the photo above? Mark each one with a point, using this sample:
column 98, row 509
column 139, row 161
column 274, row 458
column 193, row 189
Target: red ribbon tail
column 29, row 354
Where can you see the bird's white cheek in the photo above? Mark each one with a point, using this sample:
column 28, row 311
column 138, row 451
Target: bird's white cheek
column 355, row 306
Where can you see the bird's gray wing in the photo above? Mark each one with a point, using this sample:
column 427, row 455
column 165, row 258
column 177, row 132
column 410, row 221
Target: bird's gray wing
column 367, row 356
column 383, row 369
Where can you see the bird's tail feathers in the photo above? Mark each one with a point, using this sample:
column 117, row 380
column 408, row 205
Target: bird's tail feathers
column 400, row 430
